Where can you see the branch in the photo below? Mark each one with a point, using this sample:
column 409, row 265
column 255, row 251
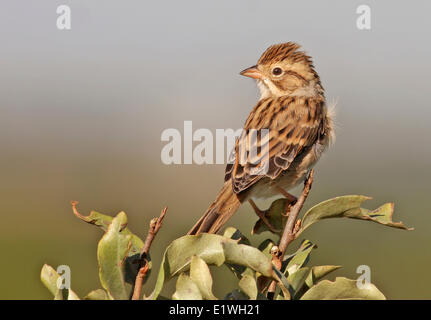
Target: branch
column 290, row 230
column 155, row 225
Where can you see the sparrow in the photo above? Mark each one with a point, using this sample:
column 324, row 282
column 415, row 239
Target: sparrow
column 298, row 125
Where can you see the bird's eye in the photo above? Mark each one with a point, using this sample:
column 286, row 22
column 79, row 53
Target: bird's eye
column 276, row 71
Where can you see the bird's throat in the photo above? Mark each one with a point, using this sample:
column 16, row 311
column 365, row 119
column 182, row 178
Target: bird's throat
column 270, row 90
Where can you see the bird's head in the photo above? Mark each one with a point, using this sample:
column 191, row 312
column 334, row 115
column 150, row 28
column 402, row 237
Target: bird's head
column 283, row 70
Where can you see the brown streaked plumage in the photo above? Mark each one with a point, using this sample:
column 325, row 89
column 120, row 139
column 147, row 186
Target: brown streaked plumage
column 292, row 108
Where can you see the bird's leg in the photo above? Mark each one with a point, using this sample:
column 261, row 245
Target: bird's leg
column 290, row 197
column 261, row 215
column 291, row 200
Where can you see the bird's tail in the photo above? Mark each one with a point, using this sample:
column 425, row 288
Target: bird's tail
column 224, row 206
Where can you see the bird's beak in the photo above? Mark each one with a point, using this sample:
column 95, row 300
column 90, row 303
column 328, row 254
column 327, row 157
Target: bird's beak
column 252, row 72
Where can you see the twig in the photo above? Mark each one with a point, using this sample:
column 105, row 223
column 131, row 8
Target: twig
column 290, row 229
column 139, row 281
column 288, row 233
column 155, row 225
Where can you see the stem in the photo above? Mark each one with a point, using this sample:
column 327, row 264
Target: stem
column 290, row 229
column 155, row 225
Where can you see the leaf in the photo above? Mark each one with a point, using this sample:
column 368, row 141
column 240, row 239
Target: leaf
column 235, row 234
column 214, row 250
column 72, row 295
column 248, row 285
column 283, row 284
column 274, row 217
column 247, row 256
column 297, row 281
column 319, row 272
column 342, row 289
column 200, row 274
column 103, row 221
column 112, row 252
column 98, row 294
column 299, row 258
column 350, row 207
column 266, row 247
column 186, row 289
column 50, row 278
column 235, row 295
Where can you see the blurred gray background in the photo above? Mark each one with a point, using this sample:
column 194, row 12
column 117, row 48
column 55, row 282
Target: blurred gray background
column 82, row 111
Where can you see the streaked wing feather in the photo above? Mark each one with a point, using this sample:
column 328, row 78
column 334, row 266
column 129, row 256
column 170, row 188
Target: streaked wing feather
column 293, row 125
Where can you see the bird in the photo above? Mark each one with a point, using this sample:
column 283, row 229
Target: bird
column 292, row 110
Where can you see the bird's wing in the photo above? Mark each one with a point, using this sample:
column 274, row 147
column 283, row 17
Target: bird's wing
column 292, row 124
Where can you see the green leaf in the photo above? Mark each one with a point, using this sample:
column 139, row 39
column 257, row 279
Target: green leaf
column 297, row 280
column 50, row 278
column 299, row 258
column 266, row 246
column 342, row 289
column 214, row 250
column 200, row 274
column 98, row 294
column 274, row 217
column 248, row 285
column 72, row 295
column 112, row 252
column 350, row 207
column 186, row 289
column 319, row 272
column 284, row 285
column 103, row 221
column 235, row 234
column 236, row 295
column 247, row 256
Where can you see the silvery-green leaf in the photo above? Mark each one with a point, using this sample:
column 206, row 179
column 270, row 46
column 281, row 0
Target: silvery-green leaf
column 112, row 252
column 98, row 294
column 342, row 289
column 186, row 289
column 319, row 272
column 248, row 285
column 350, row 207
column 214, row 250
column 200, row 274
